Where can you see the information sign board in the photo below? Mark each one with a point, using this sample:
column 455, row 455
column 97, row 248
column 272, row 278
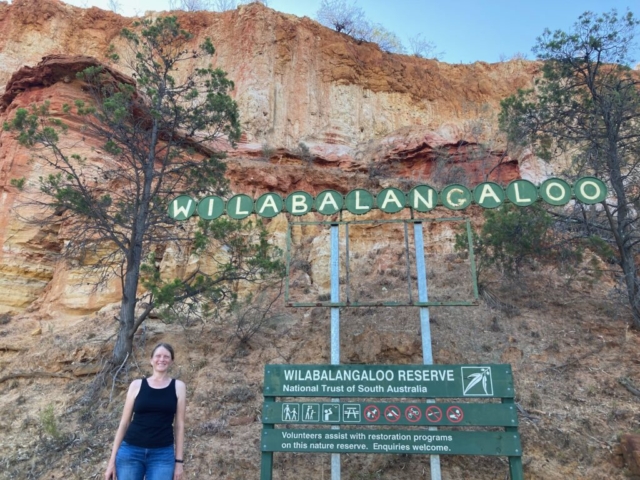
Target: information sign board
column 385, row 381
column 392, row 441
column 397, row 413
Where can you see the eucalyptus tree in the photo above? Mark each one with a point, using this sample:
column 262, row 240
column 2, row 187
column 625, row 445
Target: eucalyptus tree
column 160, row 131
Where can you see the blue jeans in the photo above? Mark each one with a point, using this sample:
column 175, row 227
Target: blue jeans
column 137, row 463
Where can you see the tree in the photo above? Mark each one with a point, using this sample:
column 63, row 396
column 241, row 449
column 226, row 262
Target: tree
column 422, row 48
column 223, row 5
column 114, row 6
column 190, row 5
column 349, row 18
column 213, row 5
column 376, row 33
column 587, row 106
column 342, row 16
column 512, row 237
column 153, row 129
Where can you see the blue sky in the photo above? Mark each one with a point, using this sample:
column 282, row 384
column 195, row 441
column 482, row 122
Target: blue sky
column 465, row 30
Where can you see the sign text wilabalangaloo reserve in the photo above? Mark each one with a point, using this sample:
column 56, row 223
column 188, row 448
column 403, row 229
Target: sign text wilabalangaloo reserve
column 388, row 380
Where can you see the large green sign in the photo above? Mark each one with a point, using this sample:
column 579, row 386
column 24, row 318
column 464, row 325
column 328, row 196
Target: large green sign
column 422, row 198
column 385, row 381
column 392, row 441
column 346, row 382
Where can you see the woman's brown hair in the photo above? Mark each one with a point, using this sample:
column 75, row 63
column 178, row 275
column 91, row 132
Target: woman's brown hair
column 163, row 345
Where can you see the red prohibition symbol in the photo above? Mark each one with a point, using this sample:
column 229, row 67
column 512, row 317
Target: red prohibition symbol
column 371, row 413
column 412, row 413
column 392, row 413
column 455, row 414
column 433, row 414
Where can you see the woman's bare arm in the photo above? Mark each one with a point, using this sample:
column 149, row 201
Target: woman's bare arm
column 181, row 392
column 125, row 420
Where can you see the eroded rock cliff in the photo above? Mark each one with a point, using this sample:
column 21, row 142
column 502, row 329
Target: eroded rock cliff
column 368, row 118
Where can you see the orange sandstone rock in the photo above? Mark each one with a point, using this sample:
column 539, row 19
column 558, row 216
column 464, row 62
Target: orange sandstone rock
column 368, row 118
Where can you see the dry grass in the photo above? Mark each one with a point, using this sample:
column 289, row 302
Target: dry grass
column 567, row 350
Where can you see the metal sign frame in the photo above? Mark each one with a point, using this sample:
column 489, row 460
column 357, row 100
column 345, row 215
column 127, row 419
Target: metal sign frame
column 412, row 302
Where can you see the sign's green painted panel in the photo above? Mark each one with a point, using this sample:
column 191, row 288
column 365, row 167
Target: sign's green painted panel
column 456, row 197
column 329, row 202
column 489, row 195
column 359, row 201
column 397, row 413
column 441, row 442
column 211, row 207
column 182, row 207
column 269, row 205
column 522, row 193
column 555, row 191
column 391, row 200
column 240, row 206
column 387, row 381
column 590, row 190
column 423, row 198
column 299, row 203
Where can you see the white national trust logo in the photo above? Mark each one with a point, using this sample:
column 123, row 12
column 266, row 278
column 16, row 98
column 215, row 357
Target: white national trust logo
column 477, row 382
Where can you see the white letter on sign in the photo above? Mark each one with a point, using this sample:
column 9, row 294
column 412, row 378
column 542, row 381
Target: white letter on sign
column 358, row 206
column 487, row 191
column 181, row 210
column 460, row 200
column 518, row 198
column 560, row 187
column 238, row 212
column 328, row 199
column 269, row 202
column 594, row 185
column 298, row 204
column 419, row 198
column 390, row 197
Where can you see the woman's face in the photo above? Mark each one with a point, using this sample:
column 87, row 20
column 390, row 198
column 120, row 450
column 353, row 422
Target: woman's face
column 161, row 359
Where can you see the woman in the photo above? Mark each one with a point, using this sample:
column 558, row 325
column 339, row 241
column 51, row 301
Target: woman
column 144, row 448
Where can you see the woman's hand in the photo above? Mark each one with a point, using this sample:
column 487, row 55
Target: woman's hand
column 178, row 472
column 110, row 474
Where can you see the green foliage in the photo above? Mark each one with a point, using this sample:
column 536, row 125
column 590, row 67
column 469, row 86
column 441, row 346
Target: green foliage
column 49, row 423
column 587, row 107
column 512, row 237
column 157, row 134
column 248, row 256
column 18, row 182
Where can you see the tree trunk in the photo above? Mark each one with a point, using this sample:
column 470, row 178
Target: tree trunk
column 124, row 341
column 632, row 283
column 622, row 230
column 126, row 330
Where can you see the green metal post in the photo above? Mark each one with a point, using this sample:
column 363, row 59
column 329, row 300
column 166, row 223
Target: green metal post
column 516, row 471
column 266, row 465
column 472, row 261
column 288, row 264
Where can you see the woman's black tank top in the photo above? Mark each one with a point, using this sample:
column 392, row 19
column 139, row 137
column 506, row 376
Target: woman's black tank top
column 153, row 412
